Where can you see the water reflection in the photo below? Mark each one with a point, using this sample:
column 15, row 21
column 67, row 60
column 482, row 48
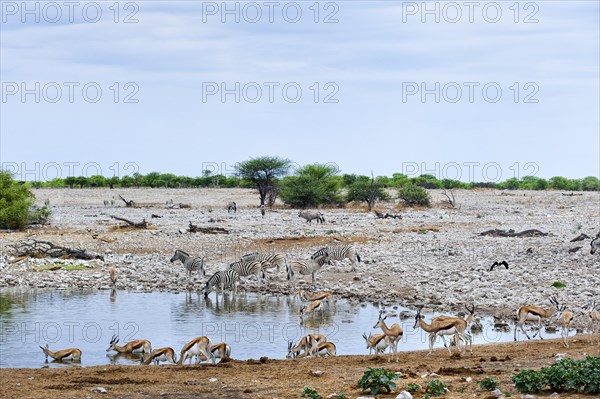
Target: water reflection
column 254, row 325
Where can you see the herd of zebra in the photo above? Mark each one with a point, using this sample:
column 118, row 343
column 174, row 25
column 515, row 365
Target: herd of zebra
column 255, row 264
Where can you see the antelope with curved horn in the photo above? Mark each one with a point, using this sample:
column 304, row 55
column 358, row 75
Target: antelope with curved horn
column 312, row 307
column 160, row 355
column 64, row 355
column 308, row 343
column 565, row 317
column 199, row 346
column 534, row 313
column 393, row 334
column 220, row 351
column 445, row 325
column 137, row 346
column 377, row 342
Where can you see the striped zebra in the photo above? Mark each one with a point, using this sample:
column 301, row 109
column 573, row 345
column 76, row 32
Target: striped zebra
column 306, row 267
column 222, row 279
column 190, row 263
column 595, row 244
column 339, row 253
column 275, row 260
column 245, row 269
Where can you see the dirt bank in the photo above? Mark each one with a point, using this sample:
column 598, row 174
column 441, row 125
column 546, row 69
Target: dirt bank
column 285, row 378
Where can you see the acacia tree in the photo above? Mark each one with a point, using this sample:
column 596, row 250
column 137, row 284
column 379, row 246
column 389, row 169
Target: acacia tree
column 312, row 185
column 264, row 172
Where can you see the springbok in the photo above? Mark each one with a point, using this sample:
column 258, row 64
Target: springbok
column 446, row 325
column 393, row 333
column 220, row 351
column 534, row 313
column 308, row 343
column 325, row 349
column 64, row 355
column 137, row 346
column 160, row 355
column 565, row 317
column 312, row 307
column 593, row 315
column 377, row 342
column 317, row 296
column 196, row 347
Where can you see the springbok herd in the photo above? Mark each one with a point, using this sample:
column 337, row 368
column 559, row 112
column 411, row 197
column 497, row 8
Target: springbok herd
column 314, row 345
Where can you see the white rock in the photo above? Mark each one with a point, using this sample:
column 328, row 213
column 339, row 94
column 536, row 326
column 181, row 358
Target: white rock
column 98, row 390
column 404, row 395
column 497, row 392
column 213, row 379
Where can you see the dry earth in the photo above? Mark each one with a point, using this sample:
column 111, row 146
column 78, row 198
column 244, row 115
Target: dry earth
column 286, row 378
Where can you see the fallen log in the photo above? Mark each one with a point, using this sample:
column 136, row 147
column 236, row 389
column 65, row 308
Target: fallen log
column 192, row 228
column 41, row 249
column 381, row 215
column 140, row 225
column 580, row 237
column 512, row 233
column 571, row 194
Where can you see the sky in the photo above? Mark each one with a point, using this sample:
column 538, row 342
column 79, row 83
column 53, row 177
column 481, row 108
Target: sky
column 473, row 91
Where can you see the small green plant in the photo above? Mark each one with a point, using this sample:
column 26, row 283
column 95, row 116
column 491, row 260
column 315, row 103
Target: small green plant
column 489, row 384
column 558, row 284
column 310, row 393
column 412, row 388
column 340, row 396
column 435, row 388
column 378, row 380
column 528, row 381
column 39, row 215
column 329, row 232
column 210, row 210
column 414, row 195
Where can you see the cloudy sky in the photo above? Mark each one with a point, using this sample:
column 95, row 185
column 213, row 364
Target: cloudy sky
column 479, row 91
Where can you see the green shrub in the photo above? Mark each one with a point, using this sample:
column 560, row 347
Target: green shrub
column 310, row 393
column 360, row 190
column 558, row 284
column 312, row 185
column 489, row 384
column 15, row 201
column 529, row 381
column 412, row 388
column 435, row 388
column 378, row 380
column 39, row 215
column 414, row 195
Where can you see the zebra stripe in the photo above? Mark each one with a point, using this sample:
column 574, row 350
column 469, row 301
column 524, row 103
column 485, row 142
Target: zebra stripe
column 339, row 253
column 222, row 279
column 306, row 267
column 275, row 260
column 245, row 269
column 190, row 263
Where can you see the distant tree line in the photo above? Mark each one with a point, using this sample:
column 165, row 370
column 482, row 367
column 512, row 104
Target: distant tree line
column 357, row 186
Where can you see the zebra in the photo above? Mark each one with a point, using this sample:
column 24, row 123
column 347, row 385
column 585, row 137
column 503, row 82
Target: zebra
column 595, row 244
column 245, row 269
column 232, row 207
column 310, row 215
column 339, row 253
column 275, row 260
column 222, row 279
column 306, row 267
column 190, row 263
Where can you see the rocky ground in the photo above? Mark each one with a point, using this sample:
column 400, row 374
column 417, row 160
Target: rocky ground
column 286, row 378
column 431, row 256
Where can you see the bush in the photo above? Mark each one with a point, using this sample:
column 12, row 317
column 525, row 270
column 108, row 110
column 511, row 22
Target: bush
column 39, row 215
column 378, row 380
column 435, row 388
column 312, row 185
column 15, row 201
column 489, row 384
column 360, row 190
column 310, row 393
column 414, row 195
column 412, row 388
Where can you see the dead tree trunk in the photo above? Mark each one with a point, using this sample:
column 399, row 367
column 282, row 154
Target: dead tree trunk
column 127, row 203
column 450, row 198
column 39, row 248
column 140, row 225
column 192, row 228
column 372, row 193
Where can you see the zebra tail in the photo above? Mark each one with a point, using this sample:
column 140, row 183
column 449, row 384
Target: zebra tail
column 357, row 257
